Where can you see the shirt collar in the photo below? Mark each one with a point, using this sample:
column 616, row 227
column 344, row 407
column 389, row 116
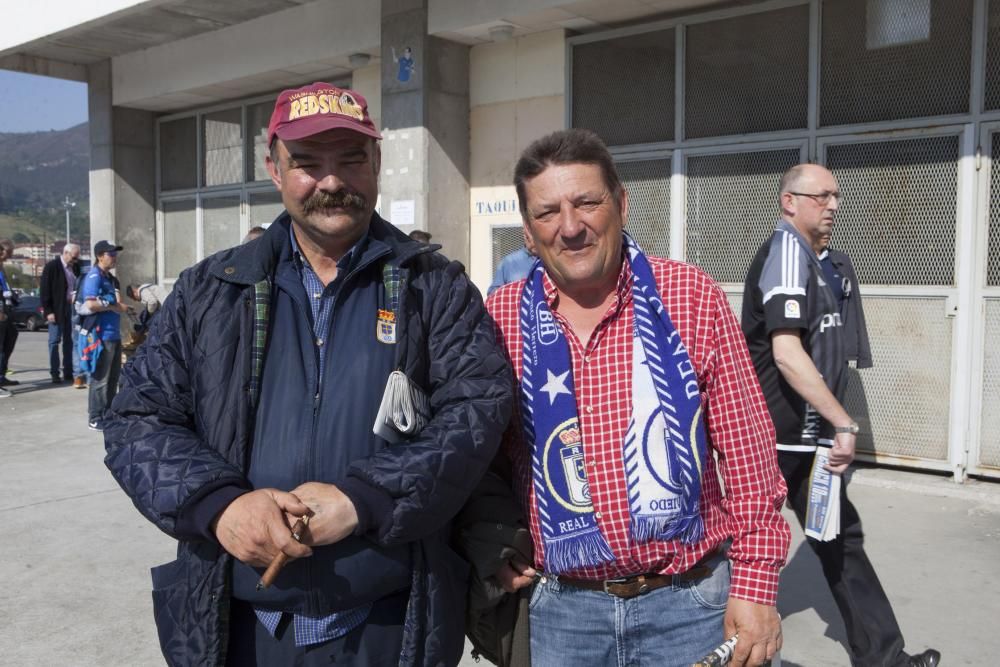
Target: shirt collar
column 623, row 289
column 342, row 264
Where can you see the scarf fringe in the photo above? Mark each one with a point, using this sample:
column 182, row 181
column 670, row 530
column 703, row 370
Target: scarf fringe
column 563, row 555
column 688, row 529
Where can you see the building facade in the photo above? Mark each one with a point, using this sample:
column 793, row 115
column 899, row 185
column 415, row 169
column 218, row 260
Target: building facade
column 704, row 104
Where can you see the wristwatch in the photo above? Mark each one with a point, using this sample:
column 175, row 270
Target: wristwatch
column 851, row 428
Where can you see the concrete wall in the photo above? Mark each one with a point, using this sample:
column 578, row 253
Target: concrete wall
column 367, row 80
column 135, row 193
column 425, row 155
column 452, row 15
column 28, row 21
column 122, row 178
column 297, row 42
column 517, row 94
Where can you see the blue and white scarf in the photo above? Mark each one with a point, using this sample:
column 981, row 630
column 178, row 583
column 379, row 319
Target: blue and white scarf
column 664, row 446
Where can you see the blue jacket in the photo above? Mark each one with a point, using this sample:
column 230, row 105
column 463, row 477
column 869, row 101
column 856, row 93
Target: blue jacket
column 181, row 428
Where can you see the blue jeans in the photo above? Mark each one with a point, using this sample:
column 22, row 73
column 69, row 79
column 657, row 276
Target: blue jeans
column 62, row 336
column 673, row 625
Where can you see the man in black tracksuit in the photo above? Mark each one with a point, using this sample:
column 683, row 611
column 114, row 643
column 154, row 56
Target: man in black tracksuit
column 794, row 327
column 252, row 404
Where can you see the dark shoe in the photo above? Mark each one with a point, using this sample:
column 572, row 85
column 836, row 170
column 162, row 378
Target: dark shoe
column 56, row 379
column 6, row 382
column 95, row 425
column 929, row 658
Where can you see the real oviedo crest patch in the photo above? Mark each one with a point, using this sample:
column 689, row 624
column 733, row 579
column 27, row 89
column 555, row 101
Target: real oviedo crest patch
column 385, row 328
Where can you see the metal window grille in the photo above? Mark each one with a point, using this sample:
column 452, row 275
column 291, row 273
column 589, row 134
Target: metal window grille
column 991, row 99
column 989, row 432
column 505, row 241
column 264, row 208
column 899, row 214
column 648, row 185
column 993, row 253
column 623, row 88
column 179, row 235
column 220, row 219
column 732, row 208
column 222, row 140
column 902, row 403
column 747, row 74
column 258, row 116
column 874, row 62
column 178, row 154
column 736, row 303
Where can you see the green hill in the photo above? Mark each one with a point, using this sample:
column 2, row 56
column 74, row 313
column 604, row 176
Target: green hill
column 38, row 170
column 11, row 226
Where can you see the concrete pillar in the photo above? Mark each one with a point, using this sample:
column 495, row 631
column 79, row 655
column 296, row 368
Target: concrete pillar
column 425, row 121
column 122, row 178
column 102, row 182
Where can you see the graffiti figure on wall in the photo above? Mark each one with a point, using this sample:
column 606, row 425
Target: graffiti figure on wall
column 405, row 63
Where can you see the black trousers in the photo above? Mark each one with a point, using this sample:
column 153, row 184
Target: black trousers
column 872, row 632
column 375, row 643
column 8, row 336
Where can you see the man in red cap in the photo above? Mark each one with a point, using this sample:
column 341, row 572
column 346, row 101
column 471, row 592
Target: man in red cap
column 254, row 403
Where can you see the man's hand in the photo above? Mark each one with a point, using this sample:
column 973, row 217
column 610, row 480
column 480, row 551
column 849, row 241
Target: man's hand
column 514, row 575
column 253, row 528
column 51, row 317
column 334, row 516
column 760, row 631
column 842, row 452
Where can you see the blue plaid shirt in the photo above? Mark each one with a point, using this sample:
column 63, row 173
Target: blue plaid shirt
column 310, row 629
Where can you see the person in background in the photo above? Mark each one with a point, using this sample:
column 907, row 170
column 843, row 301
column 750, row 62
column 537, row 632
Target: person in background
column 254, row 233
column 420, row 236
column 59, row 279
column 843, row 281
column 795, row 331
column 151, row 296
column 100, row 297
column 514, row 266
column 8, row 332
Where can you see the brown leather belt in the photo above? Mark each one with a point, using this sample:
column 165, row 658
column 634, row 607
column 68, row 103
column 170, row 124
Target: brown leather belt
column 630, row 587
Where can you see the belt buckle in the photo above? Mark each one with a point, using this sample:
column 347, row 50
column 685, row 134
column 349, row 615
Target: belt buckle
column 619, row 580
column 626, row 581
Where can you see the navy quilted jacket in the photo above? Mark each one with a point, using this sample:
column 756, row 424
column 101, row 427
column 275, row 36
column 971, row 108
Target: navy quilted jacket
column 181, row 428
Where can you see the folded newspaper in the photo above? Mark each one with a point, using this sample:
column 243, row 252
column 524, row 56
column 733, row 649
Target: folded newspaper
column 404, row 409
column 823, row 513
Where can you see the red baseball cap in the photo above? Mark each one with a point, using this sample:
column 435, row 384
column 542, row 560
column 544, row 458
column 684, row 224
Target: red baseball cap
column 302, row 112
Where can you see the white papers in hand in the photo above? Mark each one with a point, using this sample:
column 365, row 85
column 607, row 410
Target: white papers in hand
column 823, row 512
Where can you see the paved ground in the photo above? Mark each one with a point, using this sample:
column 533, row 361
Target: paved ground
column 75, row 555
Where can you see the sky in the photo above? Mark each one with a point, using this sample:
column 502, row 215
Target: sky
column 29, row 103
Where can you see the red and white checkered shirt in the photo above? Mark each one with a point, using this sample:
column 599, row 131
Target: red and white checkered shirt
column 738, row 426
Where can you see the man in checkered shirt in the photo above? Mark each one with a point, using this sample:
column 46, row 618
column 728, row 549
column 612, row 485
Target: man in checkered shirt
column 640, row 558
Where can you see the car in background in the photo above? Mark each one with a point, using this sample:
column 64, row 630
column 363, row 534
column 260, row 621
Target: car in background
column 30, row 314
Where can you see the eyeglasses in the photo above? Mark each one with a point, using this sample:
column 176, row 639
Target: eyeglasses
column 822, row 198
column 112, row 253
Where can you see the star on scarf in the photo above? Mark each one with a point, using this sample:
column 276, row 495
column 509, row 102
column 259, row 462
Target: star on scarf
column 556, row 385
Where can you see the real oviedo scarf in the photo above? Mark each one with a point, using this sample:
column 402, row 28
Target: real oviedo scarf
column 664, row 447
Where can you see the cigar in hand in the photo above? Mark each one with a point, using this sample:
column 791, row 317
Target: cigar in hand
column 271, row 573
